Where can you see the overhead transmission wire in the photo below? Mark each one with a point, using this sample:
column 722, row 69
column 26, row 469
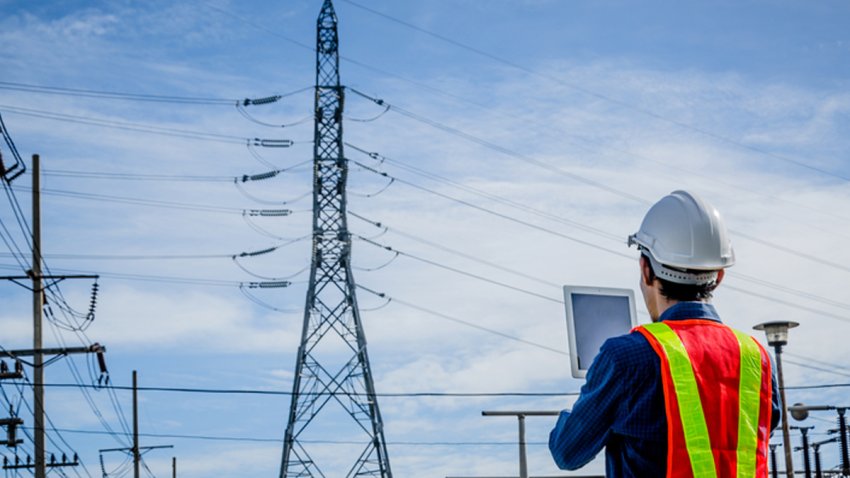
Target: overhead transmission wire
column 150, row 129
column 460, row 271
column 595, row 184
column 501, row 284
column 454, row 269
column 251, row 439
column 126, row 96
column 597, row 95
column 159, row 203
column 440, row 92
column 525, row 208
column 611, row 251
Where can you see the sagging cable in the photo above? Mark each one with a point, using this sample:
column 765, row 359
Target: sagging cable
column 371, row 195
column 260, row 302
column 254, row 198
column 367, row 120
column 249, row 117
column 373, row 269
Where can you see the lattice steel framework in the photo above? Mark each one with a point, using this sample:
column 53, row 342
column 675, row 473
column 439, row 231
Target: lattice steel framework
column 323, row 374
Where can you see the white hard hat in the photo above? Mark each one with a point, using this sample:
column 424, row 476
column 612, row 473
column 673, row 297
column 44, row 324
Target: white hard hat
column 683, row 234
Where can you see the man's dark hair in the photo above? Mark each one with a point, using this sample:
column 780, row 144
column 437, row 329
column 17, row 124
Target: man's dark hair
column 682, row 292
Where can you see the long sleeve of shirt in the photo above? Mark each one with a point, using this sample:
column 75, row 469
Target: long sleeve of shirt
column 579, row 436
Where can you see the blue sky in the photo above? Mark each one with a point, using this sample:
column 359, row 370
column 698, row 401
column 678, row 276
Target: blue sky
column 572, row 116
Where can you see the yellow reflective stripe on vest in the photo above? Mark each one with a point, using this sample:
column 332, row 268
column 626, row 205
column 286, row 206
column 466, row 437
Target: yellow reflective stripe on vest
column 685, row 387
column 749, row 393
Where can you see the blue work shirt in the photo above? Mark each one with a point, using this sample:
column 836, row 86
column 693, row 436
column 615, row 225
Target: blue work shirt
column 621, row 406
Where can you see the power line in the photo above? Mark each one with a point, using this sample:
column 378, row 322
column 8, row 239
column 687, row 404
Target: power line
column 157, row 203
column 248, row 439
column 456, row 252
column 594, row 94
column 743, row 277
column 461, row 321
column 150, row 129
column 120, row 95
column 460, row 271
column 595, row 184
column 175, row 279
column 236, row 391
column 64, row 173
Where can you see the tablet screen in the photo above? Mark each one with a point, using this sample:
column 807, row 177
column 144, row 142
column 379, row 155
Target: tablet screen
column 593, row 316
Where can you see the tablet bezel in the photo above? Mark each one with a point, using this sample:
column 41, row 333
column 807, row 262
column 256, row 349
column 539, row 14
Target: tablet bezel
column 568, row 305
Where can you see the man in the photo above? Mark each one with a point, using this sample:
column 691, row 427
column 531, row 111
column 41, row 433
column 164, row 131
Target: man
column 685, row 396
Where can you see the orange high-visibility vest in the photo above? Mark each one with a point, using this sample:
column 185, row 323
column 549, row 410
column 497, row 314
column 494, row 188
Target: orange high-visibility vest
column 717, row 395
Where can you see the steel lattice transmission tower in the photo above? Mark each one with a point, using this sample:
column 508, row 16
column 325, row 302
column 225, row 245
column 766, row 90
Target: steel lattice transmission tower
column 332, row 368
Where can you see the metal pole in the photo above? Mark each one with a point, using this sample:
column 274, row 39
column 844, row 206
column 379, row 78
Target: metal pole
column 774, row 472
column 37, row 310
column 807, row 466
column 818, row 471
column 786, row 434
column 523, row 461
column 136, row 455
column 842, row 429
column 173, row 467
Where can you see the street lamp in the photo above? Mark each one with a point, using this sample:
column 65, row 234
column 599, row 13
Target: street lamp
column 801, row 412
column 777, row 336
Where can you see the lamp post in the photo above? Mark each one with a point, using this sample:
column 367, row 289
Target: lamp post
column 777, row 336
column 801, row 412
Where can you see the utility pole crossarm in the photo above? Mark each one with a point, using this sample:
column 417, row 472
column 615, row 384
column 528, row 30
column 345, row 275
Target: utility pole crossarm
column 92, row 349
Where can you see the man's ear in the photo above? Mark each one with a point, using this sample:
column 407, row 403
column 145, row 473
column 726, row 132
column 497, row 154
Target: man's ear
column 645, row 271
column 720, row 275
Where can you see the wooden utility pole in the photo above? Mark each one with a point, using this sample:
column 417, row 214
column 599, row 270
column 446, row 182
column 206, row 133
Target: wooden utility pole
column 136, row 454
column 37, row 310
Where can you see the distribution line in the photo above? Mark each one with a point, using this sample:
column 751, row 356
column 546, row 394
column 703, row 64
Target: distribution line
column 503, row 150
column 141, row 128
column 452, row 251
column 487, row 195
column 549, row 167
column 743, row 277
column 467, row 100
column 248, row 439
column 461, row 321
column 243, row 391
column 121, row 95
column 595, row 94
column 87, row 93
column 497, row 214
column 459, row 271
column 144, row 202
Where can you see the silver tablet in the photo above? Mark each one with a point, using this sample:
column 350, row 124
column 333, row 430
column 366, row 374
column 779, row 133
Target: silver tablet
column 595, row 314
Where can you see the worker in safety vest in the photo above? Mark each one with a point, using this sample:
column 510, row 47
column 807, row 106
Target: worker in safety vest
column 684, row 396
